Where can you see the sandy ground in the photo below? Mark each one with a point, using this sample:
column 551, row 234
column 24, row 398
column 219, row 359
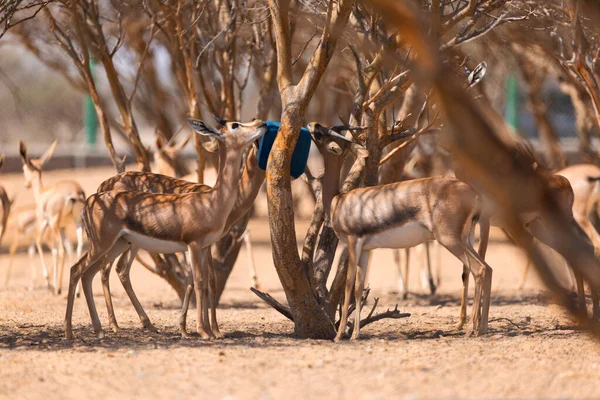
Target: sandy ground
column 532, row 350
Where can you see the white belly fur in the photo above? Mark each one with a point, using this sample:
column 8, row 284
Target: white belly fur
column 152, row 244
column 407, row 235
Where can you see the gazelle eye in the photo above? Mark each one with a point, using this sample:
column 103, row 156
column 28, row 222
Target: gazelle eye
column 253, row 119
column 235, row 125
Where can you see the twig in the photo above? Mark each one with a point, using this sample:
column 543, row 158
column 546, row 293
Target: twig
column 267, row 298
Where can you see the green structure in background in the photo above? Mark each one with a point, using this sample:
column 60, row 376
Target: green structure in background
column 512, row 102
column 90, row 119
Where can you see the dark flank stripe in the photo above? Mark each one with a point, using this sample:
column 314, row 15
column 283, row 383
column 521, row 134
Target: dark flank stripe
column 371, row 227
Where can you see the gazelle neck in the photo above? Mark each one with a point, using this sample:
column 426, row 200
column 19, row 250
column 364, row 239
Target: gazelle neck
column 248, row 187
column 332, row 175
column 37, row 186
column 224, row 191
column 331, row 180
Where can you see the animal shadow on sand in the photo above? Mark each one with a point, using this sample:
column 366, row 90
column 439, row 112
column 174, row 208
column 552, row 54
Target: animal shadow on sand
column 31, row 336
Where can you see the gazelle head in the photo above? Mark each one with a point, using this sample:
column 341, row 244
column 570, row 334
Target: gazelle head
column 236, row 135
column 331, row 140
column 166, row 157
column 32, row 168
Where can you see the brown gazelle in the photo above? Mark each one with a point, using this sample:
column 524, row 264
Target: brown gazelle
column 533, row 218
column 248, row 188
column 401, row 215
column 167, row 161
column 5, row 204
column 56, row 206
column 119, row 220
column 585, row 183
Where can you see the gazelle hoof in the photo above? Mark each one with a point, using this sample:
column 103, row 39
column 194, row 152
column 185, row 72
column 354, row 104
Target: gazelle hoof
column 115, row 328
column 204, row 335
column 148, row 325
column 218, row 335
column 100, row 334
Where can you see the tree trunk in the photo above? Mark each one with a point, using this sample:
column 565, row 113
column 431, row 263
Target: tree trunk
column 310, row 318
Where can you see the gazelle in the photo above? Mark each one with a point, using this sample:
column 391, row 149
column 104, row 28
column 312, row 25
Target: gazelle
column 25, row 221
column 56, row 206
column 167, row 161
column 585, row 183
column 401, row 215
column 120, row 220
column 398, row 169
column 166, row 157
column 248, row 188
column 5, row 204
column 26, row 224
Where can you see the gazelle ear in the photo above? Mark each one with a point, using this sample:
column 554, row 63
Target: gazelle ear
column 160, row 139
column 219, row 120
column 23, row 152
column 46, row 156
column 201, row 128
column 477, row 74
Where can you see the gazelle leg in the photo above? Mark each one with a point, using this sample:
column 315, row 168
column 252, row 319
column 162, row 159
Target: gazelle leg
column 212, row 280
column 595, row 306
column 251, row 264
column 205, row 277
column 38, row 244
column 462, row 318
column 123, row 271
column 361, row 274
column 426, row 274
column 401, row 282
column 85, row 269
column 31, row 256
column 482, row 274
column 581, row 294
column 74, row 277
column 196, row 255
column 68, row 246
column 86, row 284
column 105, row 277
column 60, row 266
column 438, row 263
column 350, row 278
column 189, row 289
column 79, row 231
column 79, row 251
column 13, row 249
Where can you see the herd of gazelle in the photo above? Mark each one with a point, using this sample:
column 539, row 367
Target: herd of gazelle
column 135, row 211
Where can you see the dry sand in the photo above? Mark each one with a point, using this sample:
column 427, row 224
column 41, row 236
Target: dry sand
column 532, row 350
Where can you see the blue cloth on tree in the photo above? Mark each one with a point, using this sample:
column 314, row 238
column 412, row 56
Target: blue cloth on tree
column 299, row 157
